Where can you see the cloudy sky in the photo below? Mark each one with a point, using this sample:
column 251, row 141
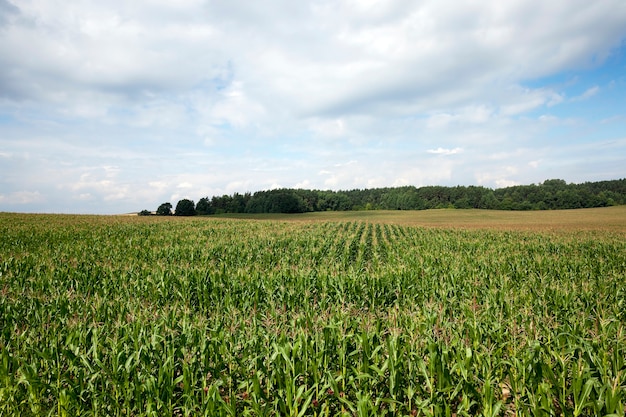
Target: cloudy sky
column 117, row 106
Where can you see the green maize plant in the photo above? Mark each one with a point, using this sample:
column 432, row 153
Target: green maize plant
column 208, row 316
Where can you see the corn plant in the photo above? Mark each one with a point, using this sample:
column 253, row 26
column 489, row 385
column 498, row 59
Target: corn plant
column 146, row 316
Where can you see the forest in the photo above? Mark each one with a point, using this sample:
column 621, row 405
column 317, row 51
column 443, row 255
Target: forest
column 553, row 194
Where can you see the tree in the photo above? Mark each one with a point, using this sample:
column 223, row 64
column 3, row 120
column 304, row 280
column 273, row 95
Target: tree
column 144, row 213
column 164, row 209
column 285, row 201
column 185, row 207
column 204, row 207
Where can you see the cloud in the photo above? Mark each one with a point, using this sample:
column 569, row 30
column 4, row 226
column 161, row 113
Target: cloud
column 21, row 197
column 8, row 12
column 464, row 116
column 343, row 164
column 502, row 183
column 238, row 96
column 319, row 57
column 499, row 180
column 522, row 100
column 443, row 151
column 590, row 92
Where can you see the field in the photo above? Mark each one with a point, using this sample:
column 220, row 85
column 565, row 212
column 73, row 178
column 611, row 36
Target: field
column 612, row 219
column 451, row 313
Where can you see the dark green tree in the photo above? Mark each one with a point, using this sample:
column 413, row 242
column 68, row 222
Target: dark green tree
column 144, row 213
column 164, row 209
column 551, row 194
column 285, row 201
column 204, row 207
column 185, row 207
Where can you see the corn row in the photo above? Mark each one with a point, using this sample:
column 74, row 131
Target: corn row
column 185, row 317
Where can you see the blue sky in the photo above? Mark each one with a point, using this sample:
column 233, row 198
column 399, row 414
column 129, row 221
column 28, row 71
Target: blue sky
column 114, row 107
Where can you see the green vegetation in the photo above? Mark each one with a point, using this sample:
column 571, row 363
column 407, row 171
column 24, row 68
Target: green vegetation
column 550, row 195
column 164, row 209
column 188, row 316
column 185, row 207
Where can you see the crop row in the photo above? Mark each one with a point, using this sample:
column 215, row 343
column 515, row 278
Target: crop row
column 145, row 316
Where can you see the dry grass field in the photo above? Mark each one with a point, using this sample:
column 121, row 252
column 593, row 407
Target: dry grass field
column 607, row 219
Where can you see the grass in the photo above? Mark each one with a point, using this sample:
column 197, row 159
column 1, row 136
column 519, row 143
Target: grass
column 322, row 314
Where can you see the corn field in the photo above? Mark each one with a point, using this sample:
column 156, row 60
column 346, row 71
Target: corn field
column 122, row 316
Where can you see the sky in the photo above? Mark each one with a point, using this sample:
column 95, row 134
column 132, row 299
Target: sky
column 118, row 106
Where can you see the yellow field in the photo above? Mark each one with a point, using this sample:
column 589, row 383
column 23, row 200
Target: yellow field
column 601, row 219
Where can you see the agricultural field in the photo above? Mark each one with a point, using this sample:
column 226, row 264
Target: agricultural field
column 610, row 219
column 325, row 315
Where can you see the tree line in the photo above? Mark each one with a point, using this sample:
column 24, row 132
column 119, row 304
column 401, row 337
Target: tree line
column 553, row 194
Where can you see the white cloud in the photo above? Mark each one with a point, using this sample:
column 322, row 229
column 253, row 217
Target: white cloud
column 21, row 198
column 440, row 120
column 124, row 102
column 306, row 184
column 502, row 183
column 612, row 119
column 444, row 151
column 496, row 179
column 467, row 115
column 524, row 100
column 343, row 164
column 590, row 92
column 159, row 185
column 548, row 118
